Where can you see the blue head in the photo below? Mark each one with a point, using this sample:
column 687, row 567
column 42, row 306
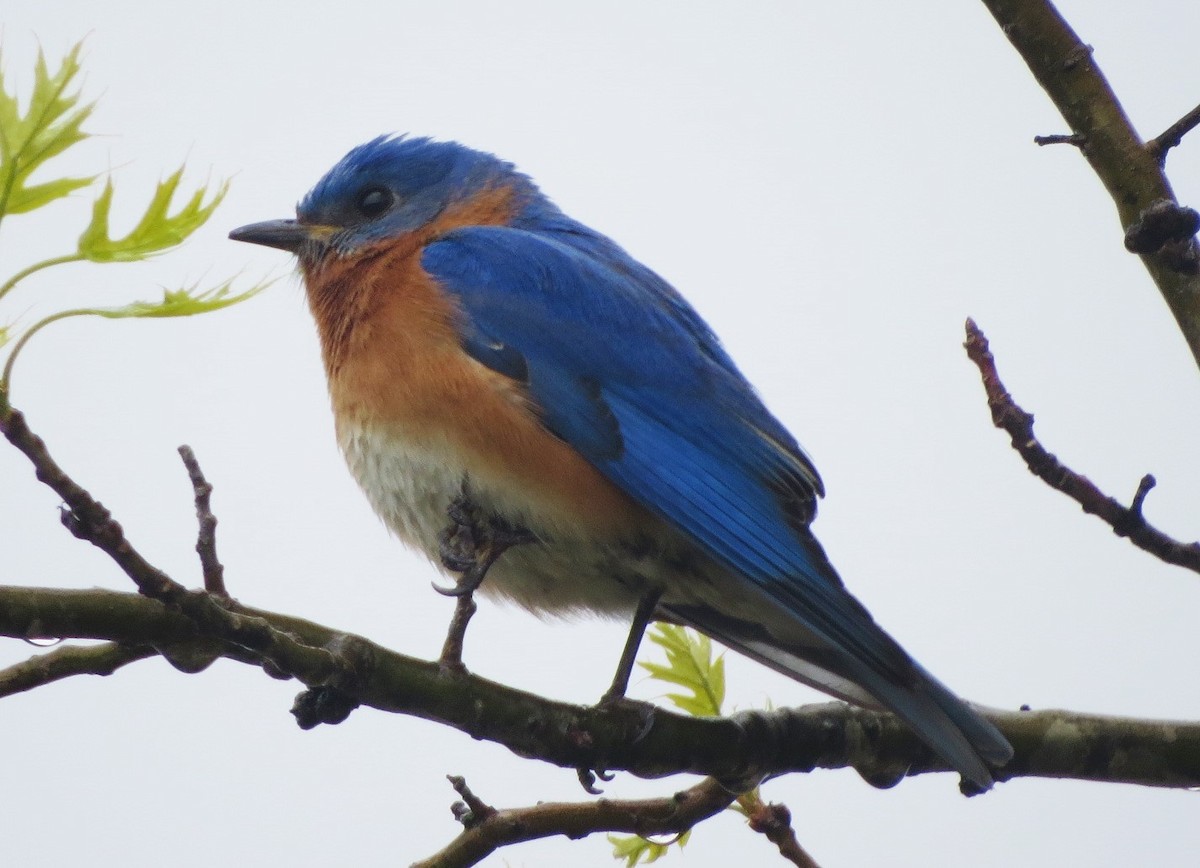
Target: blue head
column 389, row 187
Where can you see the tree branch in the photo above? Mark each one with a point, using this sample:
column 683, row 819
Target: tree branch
column 775, row 823
column 1173, row 135
column 744, row 747
column 67, row 661
column 1125, row 521
column 218, row 618
column 1131, row 172
column 488, row 829
column 84, row 516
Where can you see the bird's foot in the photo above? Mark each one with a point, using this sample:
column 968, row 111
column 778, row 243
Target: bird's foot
column 469, row 545
column 644, row 713
column 451, row 660
column 472, row 542
column 459, row 541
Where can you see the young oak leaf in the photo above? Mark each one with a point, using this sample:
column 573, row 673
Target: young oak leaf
column 641, row 851
column 156, row 231
column 51, row 123
column 178, row 302
column 181, row 302
column 690, row 664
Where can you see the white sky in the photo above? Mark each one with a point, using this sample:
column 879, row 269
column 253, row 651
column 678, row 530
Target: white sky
column 835, row 187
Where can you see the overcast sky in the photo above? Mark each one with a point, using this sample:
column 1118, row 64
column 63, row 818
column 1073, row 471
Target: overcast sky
column 834, row 186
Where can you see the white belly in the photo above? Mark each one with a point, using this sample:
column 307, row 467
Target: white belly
column 410, row 485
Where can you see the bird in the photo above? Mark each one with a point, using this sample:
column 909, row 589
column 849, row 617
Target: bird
column 476, row 339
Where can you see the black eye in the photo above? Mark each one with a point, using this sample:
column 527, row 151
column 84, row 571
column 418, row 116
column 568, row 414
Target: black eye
column 373, row 201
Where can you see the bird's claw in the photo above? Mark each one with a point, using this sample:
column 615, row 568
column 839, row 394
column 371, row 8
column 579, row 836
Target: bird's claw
column 646, row 713
column 464, row 586
column 587, row 779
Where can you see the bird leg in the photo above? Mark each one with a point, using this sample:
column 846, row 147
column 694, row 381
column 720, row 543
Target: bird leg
column 469, row 545
column 641, row 619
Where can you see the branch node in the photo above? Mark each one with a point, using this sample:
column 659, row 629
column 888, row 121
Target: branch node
column 1076, row 56
column 190, row 657
column 774, row 821
column 1165, row 225
column 1139, row 498
column 319, row 705
column 72, row 522
column 1173, row 135
column 472, row 810
column 1133, row 519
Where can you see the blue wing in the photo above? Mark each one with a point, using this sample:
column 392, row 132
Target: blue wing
column 623, row 370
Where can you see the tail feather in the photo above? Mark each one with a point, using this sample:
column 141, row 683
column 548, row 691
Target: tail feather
column 956, row 732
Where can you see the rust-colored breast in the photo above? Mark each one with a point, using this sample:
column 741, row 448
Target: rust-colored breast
column 391, row 350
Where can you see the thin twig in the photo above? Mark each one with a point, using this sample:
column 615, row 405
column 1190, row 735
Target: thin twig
column 775, row 822
column 499, row 828
column 1125, row 521
column 206, row 540
column 67, row 661
column 1061, row 139
column 1173, row 135
column 472, row 810
column 88, row 519
column 85, row 516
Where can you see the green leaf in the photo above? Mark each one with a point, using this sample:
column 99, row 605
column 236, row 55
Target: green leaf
column 636, row 850
column 156, row 231
column 690, row 664
column 50, row 125
column 178, row 302
column 31, row 198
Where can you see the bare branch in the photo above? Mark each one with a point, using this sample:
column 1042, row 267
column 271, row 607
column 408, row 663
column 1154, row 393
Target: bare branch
column 67, row 661
column 1173, row 135
column 472, row 810
column 1132, row 172
column 215, row 617
column 206, row 540
column 745, row 746
column 84, row 516
column 1125, row 521
column 487, row 829
column 774, row 821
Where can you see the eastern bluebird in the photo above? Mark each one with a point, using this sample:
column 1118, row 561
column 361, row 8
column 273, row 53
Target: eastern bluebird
column 478, row 339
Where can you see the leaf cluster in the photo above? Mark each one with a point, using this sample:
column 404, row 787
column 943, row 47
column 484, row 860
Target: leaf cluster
column 50, row 124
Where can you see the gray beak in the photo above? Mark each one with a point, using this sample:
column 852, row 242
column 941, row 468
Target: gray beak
column 284, row 234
